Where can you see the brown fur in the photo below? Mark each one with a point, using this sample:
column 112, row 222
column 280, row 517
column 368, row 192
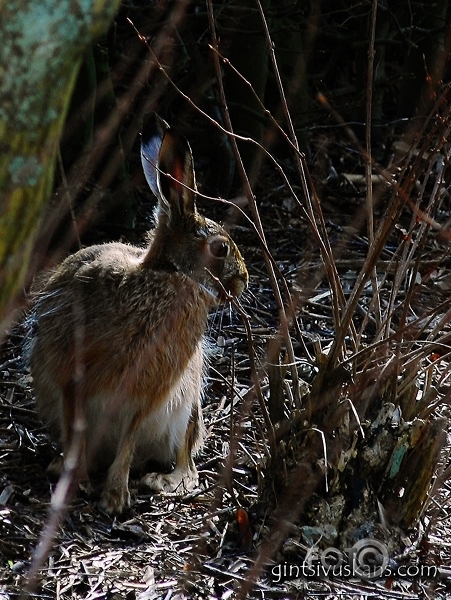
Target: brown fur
column 119, row 345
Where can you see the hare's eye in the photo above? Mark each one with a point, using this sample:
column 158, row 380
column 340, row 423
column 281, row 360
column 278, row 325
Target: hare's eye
column 219, row 247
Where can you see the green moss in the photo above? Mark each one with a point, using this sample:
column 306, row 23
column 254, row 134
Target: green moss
column 41, row 40
column 25, row 171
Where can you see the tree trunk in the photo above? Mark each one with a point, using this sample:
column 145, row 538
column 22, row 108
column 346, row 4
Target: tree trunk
column 42, row 46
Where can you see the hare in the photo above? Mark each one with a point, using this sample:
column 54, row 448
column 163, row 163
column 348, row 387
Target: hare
column 118, row 337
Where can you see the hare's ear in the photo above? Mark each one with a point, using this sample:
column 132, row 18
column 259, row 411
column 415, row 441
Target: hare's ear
column 151, row 138
column 176, row 160
column 169, row 170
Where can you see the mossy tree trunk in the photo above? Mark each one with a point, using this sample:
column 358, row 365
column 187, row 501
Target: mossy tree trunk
column 43, row 42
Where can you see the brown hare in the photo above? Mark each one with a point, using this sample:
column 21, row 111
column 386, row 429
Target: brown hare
column 118, row 334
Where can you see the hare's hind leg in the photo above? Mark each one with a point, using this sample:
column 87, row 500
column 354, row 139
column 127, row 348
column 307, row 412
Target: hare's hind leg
column 184, row 477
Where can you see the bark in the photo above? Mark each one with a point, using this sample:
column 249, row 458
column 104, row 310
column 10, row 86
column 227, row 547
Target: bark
column 43, row 42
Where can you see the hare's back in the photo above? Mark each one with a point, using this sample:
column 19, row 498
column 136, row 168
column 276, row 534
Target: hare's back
column 110, row 258
column 83, row 294
column 91, row 275
column 102, row 302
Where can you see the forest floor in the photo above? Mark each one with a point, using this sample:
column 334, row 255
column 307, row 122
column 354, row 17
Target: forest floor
column 195, row 546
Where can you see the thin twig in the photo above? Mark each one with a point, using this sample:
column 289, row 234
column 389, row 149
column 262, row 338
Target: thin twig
column 369, row 159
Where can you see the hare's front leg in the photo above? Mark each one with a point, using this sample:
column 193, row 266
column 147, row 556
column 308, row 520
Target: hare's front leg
column 115, row 496
column 184, row 477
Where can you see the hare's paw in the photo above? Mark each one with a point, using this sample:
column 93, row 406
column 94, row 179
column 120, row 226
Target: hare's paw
column 179, row 482
column 115, row 500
